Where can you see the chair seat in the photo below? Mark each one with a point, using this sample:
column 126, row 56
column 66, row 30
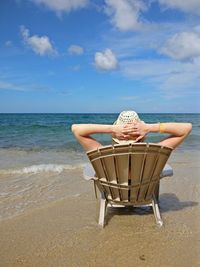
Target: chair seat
column 167, row 171
column 88, row 172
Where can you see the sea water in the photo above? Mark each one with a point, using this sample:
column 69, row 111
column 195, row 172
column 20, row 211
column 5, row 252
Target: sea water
column 39, row 155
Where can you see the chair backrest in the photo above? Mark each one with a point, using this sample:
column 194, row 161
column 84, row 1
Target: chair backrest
column 129, row 173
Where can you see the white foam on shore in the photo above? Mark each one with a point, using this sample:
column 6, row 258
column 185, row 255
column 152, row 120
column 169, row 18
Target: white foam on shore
column 34, row 169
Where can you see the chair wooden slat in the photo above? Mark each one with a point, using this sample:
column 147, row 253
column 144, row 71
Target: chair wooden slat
column 148, row 170
column 108, row 161
column 95, row 158
column 122, row 169
column 163, row 156
column 137, row 165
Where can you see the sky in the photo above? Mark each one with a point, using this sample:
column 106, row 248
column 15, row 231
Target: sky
column 91, row 56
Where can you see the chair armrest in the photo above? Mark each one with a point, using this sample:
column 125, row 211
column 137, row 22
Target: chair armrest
column 88, row 172
column 167, row 171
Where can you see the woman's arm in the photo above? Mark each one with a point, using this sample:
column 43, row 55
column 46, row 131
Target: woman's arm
column 178, row 131
column 82, row 133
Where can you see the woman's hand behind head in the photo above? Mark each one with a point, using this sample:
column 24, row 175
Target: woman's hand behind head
column 136, row 130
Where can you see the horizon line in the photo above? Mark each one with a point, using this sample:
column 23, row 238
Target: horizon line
column 96, row 112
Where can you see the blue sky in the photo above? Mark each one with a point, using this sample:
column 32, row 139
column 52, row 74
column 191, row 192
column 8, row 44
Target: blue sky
column 99, row 56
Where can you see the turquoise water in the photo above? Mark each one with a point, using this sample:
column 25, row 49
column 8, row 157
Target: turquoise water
column 52, row 131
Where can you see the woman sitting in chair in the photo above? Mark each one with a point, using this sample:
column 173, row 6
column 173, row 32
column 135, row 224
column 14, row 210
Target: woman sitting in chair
column 128, row 128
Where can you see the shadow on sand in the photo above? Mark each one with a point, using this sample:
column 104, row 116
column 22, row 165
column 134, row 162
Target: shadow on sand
column 167, row 202
column 170, row 202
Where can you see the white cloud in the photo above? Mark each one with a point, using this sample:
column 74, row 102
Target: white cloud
column 125, row 14
column 75, row 68
column 40, row 44
column 8, row 43
column 197, row 29
column 22, row 87
column 173, row 79
column 183, row 5
column 182, row 46
column 148, row 69
column 4, row 85
column 106, row 60
column 131, row 97
column 75, row 50
column 60, row 6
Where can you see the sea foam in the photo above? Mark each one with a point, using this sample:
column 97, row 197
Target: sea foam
column 34, row 169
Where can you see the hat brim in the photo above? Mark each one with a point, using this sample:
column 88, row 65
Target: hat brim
column 123, row 142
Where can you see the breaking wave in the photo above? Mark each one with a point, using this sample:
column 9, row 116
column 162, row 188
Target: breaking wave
column 34, row 169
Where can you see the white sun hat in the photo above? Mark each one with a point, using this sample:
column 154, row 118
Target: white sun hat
column 126, row 117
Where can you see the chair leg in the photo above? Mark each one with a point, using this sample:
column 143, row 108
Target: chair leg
column 156, row 211
column 103, row 205
column 156, row 193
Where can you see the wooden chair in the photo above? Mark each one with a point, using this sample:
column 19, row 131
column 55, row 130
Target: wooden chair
column 129, row 175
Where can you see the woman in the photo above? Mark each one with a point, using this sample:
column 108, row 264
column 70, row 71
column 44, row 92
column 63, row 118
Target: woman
column 128, row 129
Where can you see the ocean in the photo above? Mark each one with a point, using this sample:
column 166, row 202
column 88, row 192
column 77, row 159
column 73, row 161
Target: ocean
column 38, row 152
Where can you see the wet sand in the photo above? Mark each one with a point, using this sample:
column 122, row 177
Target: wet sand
column 65, row 232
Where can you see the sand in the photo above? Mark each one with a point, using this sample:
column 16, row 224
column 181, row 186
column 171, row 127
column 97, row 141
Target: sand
column 65, row 232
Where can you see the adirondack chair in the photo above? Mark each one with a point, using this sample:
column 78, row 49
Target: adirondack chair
column 129, row 175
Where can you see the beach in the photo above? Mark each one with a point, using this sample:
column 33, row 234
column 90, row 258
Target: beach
column 48, row 212
column 64, row 232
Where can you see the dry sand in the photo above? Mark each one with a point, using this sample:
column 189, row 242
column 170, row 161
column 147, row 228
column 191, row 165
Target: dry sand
column 65, row 233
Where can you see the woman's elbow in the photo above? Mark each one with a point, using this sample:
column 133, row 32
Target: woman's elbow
column 74, row 129
column 188, row 128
